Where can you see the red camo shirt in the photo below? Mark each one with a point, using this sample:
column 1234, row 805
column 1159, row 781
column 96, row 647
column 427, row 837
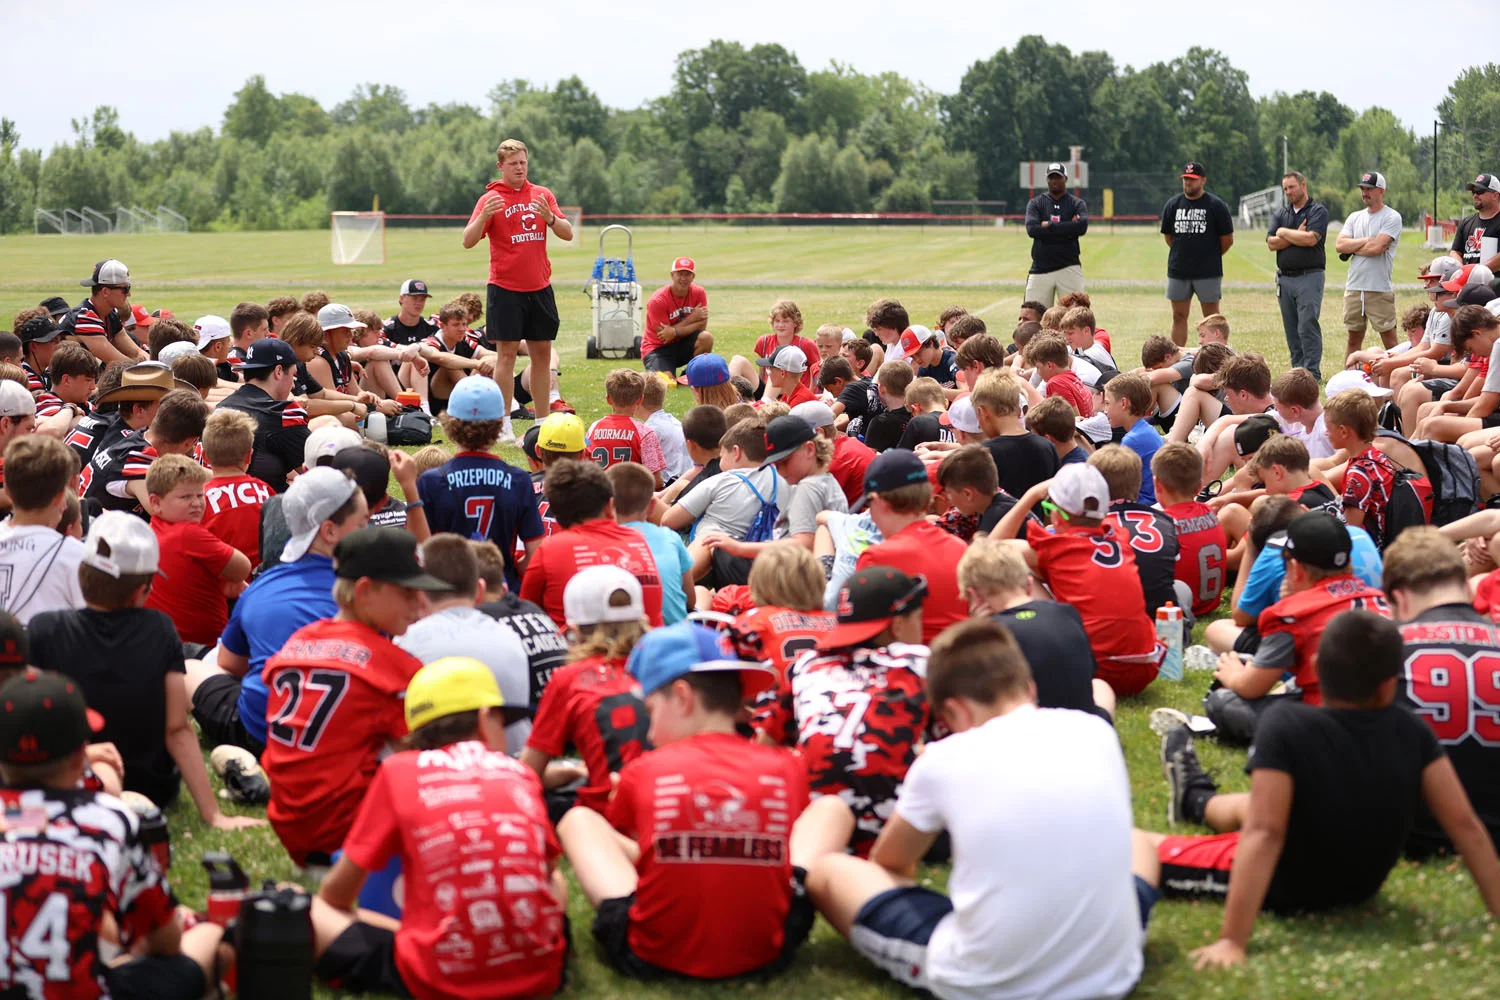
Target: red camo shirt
column 595, row 706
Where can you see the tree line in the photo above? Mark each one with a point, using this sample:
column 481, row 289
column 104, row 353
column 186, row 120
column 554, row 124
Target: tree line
column 752, row 130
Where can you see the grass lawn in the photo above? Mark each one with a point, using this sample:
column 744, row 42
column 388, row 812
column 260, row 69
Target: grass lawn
column 1427, row 933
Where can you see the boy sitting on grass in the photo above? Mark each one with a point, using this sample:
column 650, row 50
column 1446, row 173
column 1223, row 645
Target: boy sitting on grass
column 1202, row 547
column 1057, row 421
column 1127, row 401
column 926, row 404
column 619, row 436
column 115, row 477
column 883, row 429
column 632, row 485
column 1050, row 356
column 668, row 429
column 1352, row 420
column 1148, row 530
column 234, row 498
column 1022, row 458
column 971, row 487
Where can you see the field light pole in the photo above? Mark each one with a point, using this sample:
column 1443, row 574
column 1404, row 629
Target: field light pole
column 1285, row 169
column 1435, row 124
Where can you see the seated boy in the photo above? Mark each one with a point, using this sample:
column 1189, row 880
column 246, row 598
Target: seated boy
column 1127, row 401
column 1022, row 458
column 1048, row 901
column 115, row 477
column 1351, row 417
column 1202, row 546
column 691, row 872
column 39, row 560
column 883, row 429
column 926, row 404
column 1169, row 368
column 632, row 486
column 1057, row 421
column 619, row 436
column 668, row 429
column 1049, row 355
column 702, row 428
column 73, row 373
column 451, row 354
column 234, row 498
column 1149, row 531
column 1333, row 792
column 971, row 488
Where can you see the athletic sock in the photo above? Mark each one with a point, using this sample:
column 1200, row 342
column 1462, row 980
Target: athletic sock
column 1195, row 801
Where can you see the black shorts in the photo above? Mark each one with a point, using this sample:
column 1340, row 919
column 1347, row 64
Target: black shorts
column 725, row 570
column 515, row 316
column 216, row 706
column 1492, row 421
column 362, row 960
column 1438, row 386
column 156, row 977
column 671, row 356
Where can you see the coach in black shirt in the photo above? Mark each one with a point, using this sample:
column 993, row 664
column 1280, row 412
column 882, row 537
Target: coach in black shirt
column 1297, row 233
column 1054, row 221
column 1199, row 229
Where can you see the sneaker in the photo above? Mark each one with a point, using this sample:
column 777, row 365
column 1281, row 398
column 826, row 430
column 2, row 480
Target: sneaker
column 507, row 432
column 244, row 781
column 523, row 413
column 1199, row 657
column 560, row 405
column 1164, row 720
column 1210, row 491
column 1179, row 763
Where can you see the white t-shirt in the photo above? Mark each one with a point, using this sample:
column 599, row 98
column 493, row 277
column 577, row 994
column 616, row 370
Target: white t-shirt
column 1437, row 330
column 38, row 571
column 1492, row 377
column 1316, row 439
column 461, row 631
column 1044, row 903
column 1373, row 274
column 673, row 448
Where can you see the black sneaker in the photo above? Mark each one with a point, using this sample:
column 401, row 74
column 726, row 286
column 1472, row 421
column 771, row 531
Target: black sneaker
column 1179, row 763
column 244, row 781
column 1210, row 491
column 523, row 413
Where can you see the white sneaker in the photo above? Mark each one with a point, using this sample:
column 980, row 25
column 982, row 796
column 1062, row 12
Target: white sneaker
column 1199, row 658
column 507, row 432
column 1164, row 720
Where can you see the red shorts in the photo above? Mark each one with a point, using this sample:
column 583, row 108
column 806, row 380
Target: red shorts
column 1128, row 675
column 1197, row 867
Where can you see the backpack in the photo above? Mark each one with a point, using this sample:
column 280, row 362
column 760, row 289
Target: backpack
column 1410, row 504
column 1452, row 475
column 409, row 427
column 763, row 527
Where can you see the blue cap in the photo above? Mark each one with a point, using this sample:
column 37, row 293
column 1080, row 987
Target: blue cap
column 268, row 352
column 706, row 370
column 475, row 398
column 673, row 651
column 891, row 470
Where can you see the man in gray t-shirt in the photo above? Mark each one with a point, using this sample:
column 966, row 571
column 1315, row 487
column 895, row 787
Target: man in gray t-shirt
column 1368, row 242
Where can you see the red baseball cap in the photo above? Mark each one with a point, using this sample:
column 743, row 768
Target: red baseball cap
column 684, row 264
column 142, row 316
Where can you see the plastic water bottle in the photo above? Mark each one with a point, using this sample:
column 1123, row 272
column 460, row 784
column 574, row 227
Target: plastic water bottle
column 274, row 943
column 375, row 426
column 1169, row 632
column 227, row 885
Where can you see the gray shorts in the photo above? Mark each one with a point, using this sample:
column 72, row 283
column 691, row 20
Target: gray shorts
column 1183, row 289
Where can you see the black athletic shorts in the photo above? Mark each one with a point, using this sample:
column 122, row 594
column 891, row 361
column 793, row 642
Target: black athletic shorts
column 362, row 960
column 514, row 316
column 1438, row 386
column 216, row 706
column 156, row 977
column 671, row 356
column 725, row 570
column 1492, row 421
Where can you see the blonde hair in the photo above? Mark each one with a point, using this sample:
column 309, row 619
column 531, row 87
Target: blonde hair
column 990, row 564
column 723, row 395
column 611, row 640
column 166, row 472
column 430, row 457
column 830, row 330
column 1121, row 469
column 228, row 436
column 788, row 309
column 787, row 575
column 998, row 391
column 924, row 392
column 509, row 147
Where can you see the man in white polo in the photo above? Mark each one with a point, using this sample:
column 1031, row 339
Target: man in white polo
column 1368, row 242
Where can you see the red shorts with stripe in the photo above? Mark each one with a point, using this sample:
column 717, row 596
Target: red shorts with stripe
column 1197, row 867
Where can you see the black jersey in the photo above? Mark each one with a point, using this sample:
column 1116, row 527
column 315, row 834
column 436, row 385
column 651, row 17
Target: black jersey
column 280, row 433
column 113, row 468
column 92, row 431
column 1153, row 538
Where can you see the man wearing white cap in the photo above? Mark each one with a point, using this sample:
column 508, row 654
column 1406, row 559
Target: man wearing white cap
column 1054, row 221
column 1368, row 242
column 1477, row 238
column 96, row 322
column 676, row 321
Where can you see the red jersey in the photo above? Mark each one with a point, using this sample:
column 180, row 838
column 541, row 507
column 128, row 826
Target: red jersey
column 922, row 547
column 1487, row 595
column 713, row 816
column 518, row 236
column 767, row 345
column 596, row 707
column 1368, row 482
column 190, row 591
column 600, row 542
column 777, row 635
column 856, row 717
column 232, row 512
column 1071, row 388
column 851, row 457
column 1305, row 614
column 335, row 702
column 799, row 394
column 664, row 309
column 479, row 919
column 1201, row 544
column 620, row 438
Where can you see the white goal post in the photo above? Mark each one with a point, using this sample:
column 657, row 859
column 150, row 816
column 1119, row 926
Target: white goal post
column 358, row 237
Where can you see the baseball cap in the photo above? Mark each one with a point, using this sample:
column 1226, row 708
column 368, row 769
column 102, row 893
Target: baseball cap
column 15, row 401
column 961, row 416
column 684, row 264
column 371, row 470
column 15, row 649
column 1318, row 539
column 787, row 359
column 1056, row 169
column 389, row 555
column 1484, row 182
column 784, row 435
column 39, row 330
column 308, row 502
column 1256, row 430
column 868, row 601
column 1355, row 378
column 910, row 342
column 476, row 398
column 598, row 594
column 43, row 717
column 448, row 686
column 268, row 352
column 706, row 370
column 1469, row 274
column 849, row 335
column 1372, row 179
column 1440, row 268
column 1194, row 169
column 528, row 442
column 327, row 441
column 665, row 654
column 1079, row 490
column 210, row 329
column 142, row 317
column 890, row 470
column 1476, row 295
column 108, row 272
column 336, row 316
column 411, row 286
column 817, row 414
column 120, row 544
column 561, row 432
column 176, row 349
column 56, row 306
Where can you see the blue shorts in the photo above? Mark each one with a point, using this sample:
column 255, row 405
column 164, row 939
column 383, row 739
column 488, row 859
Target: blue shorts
column 893, row 927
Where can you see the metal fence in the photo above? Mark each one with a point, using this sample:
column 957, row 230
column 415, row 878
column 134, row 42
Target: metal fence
column 87, row 221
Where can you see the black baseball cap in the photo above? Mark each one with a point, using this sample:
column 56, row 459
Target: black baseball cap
column 43, row 718
column 1318, row 539
column 1254, row 431
column 15, row 649
column 371, row 470
column 891, row 470
column 868, row 601
column 56, row 306
column 1194, row 169
column 268, row 352
column 784, row 435
column 39, row 330
column 1476, row 295
column 528, row 441
column 389, row 555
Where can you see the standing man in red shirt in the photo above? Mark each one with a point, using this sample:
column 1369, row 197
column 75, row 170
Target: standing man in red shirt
column 516, row 215
column 676, row 322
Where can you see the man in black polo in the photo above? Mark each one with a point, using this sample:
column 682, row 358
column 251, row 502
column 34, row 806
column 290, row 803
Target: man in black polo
column 1054, row 221
column 1468, row 240
column 1297, row 232
column 269, row 369
column 1199, row 229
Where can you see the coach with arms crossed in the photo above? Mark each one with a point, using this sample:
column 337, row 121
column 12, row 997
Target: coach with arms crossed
column 1368, row 241
column 1199, row 229
column 676, row 322
column 1298, row 230
column 1054, row 221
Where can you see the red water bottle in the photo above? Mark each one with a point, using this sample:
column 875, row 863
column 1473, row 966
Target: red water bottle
column 227, row 884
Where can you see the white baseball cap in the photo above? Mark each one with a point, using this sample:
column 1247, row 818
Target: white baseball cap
column 1354, row 378
column 15, row 401
column 336, row 316
column 961, row 416
column 176, row 349
column 309, row 501
column 1080, row 490
column 788, row 359
column 910, row 342
column 327, row 441
column 120, row 544
column 849, row 335
column 815, row 413
column 1440, row 268
column 592, row 597
column 210, row 329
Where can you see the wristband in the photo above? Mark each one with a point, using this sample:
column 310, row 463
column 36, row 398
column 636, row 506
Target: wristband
column 413, row 505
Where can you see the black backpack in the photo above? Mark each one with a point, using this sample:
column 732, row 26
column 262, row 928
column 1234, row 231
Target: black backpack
column 409, row 427
column 1410, row 504
column 1452, row 475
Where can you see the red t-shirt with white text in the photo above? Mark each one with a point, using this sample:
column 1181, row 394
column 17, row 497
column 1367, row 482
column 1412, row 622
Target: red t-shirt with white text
column 518, row 237
column 619, row 437
column 600, row 542
column 232, row 511
column 189, row 590
column 1201, row 548
column 664, row 309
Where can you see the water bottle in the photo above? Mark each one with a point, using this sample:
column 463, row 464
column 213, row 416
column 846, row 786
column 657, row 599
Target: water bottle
column 273, row 942
column 1169, row 633
column 375, row 426
column 227, row 884
column 156, row 838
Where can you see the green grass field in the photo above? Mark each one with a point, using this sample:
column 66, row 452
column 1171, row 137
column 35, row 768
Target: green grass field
column 1426, row 935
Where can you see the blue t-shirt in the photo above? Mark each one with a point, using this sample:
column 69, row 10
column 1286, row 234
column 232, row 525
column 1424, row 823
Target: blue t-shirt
column 1263, row 587
column 945, row 371
column 281, row 600
column 480, row 496
column 1144, row 441
column 672, row 560
column 1075, row 457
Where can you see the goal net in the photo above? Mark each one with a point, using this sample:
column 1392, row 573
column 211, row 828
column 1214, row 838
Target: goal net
column 358, row 237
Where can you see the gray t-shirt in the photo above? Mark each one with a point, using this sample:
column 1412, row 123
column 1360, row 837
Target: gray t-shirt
column 1492, row 377
column 461, row 631
column 815, row 493
column 1437, row 329
column 726, row 503
column 1373, row 274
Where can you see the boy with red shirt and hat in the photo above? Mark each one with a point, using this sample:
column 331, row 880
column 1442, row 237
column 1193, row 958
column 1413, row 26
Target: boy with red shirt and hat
column 786, row 368
column 336, row 692
column 691, row 873
column 581, row 497
column 467, row 879
column 619, row 436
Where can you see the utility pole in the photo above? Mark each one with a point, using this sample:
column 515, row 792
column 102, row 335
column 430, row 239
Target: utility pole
column 1285, row 169
column 1434, row 170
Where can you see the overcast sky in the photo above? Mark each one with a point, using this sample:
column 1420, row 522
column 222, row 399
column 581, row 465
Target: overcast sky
column 177, row 63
